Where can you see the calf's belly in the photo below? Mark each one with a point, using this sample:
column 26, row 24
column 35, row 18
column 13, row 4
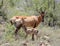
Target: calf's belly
column 29, row 24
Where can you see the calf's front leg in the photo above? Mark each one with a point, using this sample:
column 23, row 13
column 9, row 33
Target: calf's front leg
column 33, row 37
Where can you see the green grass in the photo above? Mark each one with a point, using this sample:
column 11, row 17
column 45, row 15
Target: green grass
column 8, row 36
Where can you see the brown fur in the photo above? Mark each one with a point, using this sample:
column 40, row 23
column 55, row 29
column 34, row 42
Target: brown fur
column 29, row 20
column 28, row 31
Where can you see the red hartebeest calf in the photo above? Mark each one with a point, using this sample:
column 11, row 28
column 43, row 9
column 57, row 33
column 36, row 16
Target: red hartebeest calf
column 29, row 21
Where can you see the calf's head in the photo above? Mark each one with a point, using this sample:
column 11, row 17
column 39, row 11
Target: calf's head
column 42, row 15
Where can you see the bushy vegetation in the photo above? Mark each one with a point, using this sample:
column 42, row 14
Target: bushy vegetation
column 10, row 8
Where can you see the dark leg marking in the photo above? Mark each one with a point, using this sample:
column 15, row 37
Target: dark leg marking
column 17, row 28
column 33, row 37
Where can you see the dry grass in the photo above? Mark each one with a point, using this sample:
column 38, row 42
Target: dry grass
column 47, row 34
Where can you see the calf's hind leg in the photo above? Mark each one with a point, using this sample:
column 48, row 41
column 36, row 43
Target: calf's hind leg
column 16, row 31
column 17, row 28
